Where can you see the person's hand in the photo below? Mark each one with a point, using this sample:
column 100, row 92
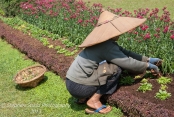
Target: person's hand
column 153, row 67
column 154, row 60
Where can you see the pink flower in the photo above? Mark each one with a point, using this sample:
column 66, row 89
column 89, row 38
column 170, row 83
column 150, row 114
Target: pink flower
column 146, row 36
column 172, row 31
column 164, row 8
column 73, row 16
column 158, row 30
column 157, row 35
column 97, row 5
column 117, row 10
column 167, row 20
column 166, row 28
column 139, row 16
column 80, row 21
column 156, row 10
column 51, row 12
column 136, row 32
column 144, row 27
column 172, row 37
column 66, row 19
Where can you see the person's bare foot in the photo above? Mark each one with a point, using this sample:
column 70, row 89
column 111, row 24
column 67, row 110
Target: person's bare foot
column 96, row 104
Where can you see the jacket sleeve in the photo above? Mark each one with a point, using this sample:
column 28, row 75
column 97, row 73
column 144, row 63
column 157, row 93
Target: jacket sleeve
column 132, row 54
column 127, row 62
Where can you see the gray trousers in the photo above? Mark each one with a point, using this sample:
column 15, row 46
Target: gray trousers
column 85, row 91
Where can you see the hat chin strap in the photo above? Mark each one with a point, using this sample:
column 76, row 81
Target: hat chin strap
column 99, row 24
column 115, row 26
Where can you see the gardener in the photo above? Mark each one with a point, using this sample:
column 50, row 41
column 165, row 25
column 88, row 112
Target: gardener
column 87, row 78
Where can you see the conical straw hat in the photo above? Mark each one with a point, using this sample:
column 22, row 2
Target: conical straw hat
column 110, row 25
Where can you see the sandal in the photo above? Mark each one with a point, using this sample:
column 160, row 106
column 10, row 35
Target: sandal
column 92, row 111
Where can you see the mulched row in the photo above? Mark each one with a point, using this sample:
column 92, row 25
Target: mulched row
column 34, row 49
column 138, row 107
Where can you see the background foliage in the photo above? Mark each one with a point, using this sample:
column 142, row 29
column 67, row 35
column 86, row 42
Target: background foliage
column 75, row 19
column 10, row 7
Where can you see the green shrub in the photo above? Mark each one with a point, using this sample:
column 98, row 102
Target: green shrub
column 128, row 80
column 1, row 11
column 10, row 7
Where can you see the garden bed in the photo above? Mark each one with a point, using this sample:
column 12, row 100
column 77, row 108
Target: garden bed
column 136, row 103
column 35, row 50
column 132, row 102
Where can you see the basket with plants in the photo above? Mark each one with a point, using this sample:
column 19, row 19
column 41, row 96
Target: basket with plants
column 30, row 76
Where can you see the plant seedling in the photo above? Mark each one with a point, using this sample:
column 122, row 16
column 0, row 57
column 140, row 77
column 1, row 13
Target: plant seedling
column 163, row 87
column 144, row 80
column 162, row 95
column 145, row 86
column 57, row 47
column 164, row 80
column 50, row 46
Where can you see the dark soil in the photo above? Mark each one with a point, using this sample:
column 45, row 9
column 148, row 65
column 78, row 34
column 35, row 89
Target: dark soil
column 149, row 95
column 132, row 102
column 140, row 104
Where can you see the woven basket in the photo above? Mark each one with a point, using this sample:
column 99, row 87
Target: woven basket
column 30, row 76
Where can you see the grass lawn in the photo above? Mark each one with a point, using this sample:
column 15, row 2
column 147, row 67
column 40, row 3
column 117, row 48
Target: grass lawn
column 132, row 5
column 49, row 99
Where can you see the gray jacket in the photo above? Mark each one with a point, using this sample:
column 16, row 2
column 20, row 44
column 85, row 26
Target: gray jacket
column 87, row 62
